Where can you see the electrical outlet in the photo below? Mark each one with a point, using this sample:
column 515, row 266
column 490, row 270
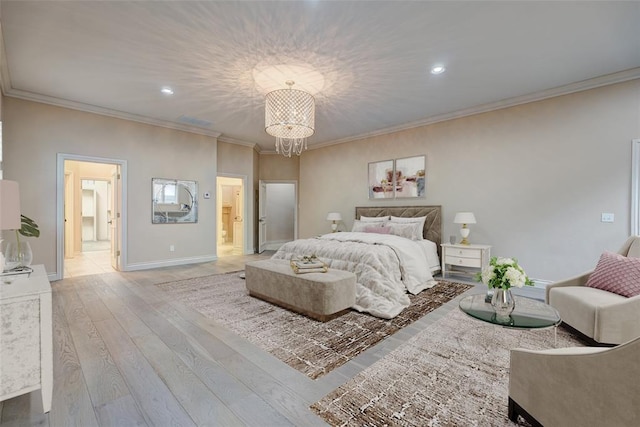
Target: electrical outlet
column 607, row 217
column 172, row 248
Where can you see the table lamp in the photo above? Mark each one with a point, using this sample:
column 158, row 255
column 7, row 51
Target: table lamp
column 335, row 217
column 464, row 218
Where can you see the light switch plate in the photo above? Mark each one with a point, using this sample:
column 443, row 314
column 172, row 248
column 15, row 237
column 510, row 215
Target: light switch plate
column 607, row 217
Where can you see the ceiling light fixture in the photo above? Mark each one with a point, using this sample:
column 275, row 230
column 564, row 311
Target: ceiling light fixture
column 167, row 90
column 438, row 69
column 289, row 116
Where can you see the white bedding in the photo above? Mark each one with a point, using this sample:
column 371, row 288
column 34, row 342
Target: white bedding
column 386, row 266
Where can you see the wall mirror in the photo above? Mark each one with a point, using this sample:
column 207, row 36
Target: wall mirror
column 174, row 201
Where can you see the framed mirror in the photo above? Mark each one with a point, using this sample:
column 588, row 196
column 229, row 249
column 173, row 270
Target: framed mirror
column 174, row 201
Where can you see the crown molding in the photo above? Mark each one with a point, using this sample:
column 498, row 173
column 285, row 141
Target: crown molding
column 606, row 80
column 229, row 140
column 88, row 108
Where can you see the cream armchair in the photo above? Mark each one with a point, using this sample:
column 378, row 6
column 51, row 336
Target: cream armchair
column 578, row 386
column 603, row 316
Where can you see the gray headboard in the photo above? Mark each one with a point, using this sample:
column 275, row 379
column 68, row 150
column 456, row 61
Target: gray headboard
column 432, row 226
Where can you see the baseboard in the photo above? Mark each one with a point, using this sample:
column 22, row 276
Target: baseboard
column 168, row 263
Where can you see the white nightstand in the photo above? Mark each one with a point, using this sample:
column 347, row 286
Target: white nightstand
column 470, row 256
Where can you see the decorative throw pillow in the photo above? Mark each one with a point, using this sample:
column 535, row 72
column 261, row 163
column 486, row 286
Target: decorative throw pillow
column 412, row 231
column 359, row 226
column 380, row 229
column 616, row 273
column 417, row 220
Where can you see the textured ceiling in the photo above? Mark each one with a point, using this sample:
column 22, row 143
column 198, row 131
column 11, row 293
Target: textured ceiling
column 373, row 57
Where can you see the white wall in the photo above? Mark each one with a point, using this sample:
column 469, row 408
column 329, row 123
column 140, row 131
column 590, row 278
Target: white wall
column 33, row 135
column 537, row 176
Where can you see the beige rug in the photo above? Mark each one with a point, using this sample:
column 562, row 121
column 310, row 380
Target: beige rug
column 454, row 373
column 312, row 347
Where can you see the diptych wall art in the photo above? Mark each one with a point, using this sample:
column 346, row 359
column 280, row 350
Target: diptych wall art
column 399, row 178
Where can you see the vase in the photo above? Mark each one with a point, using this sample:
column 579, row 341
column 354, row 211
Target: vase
column 503, row 303
column 17, row 255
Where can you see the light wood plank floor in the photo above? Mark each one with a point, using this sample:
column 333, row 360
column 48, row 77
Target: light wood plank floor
column 126, row 354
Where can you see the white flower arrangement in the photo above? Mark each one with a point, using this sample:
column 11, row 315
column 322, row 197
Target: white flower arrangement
column 503, row 273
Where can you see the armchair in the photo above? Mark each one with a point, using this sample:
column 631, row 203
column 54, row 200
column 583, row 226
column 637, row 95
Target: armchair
column 603, row 316
column 578, row 386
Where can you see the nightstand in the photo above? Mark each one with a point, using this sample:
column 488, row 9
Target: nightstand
column 468, row 256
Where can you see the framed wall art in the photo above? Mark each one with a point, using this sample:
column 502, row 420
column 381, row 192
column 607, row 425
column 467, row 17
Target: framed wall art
column 398, row 179
column 381, row 180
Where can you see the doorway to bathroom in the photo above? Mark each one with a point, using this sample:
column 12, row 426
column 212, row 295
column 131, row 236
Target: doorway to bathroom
column 230, row 200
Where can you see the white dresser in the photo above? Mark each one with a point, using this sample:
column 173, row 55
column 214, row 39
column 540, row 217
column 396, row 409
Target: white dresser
column 26, row 342
column 467, row 256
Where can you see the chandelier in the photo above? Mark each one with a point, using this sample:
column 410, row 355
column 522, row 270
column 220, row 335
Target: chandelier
column 289, row 115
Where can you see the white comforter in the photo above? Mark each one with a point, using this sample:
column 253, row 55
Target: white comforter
column 386, row 267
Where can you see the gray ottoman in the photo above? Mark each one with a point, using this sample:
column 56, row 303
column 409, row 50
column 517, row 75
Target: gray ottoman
column 322, row 296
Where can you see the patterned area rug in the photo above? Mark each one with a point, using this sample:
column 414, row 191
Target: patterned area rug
column 313, row 348
column 454, row 373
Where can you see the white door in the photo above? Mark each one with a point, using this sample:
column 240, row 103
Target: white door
column 262, row 218
column 115, row 217
column 69, row 250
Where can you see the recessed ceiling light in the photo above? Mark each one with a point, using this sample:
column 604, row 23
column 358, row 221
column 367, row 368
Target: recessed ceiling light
column 437, row 69
column 167, row 90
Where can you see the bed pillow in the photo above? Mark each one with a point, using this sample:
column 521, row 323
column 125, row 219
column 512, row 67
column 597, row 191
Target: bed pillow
column 411, row 231
column 380, row 229
column 616, row 273
column 417, row 220
column 359, row 226
column 374, row 218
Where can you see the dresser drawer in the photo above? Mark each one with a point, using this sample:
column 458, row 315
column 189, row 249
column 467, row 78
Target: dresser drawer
column 464, row 252
column 465, row 262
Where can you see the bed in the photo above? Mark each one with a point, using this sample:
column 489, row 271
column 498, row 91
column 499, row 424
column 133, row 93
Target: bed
column 387, row 266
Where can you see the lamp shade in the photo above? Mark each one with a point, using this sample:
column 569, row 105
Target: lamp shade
column 334, row 216
column 464, row 218
column 9, row 205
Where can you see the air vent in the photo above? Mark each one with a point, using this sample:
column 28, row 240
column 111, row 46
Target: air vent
column 194, row 121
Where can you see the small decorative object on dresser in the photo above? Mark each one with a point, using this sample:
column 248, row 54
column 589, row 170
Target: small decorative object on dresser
column 466, row 256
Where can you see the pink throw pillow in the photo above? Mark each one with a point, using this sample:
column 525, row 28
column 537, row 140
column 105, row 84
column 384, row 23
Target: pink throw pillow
column 377, row 229
column 616, row 273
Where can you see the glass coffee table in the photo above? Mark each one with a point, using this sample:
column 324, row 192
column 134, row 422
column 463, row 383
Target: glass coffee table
column 528, row 313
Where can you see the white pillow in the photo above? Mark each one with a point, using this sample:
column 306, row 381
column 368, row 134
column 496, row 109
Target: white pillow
column 417, row 220
column 359, row 226
column 409, row 230
column 373, row 218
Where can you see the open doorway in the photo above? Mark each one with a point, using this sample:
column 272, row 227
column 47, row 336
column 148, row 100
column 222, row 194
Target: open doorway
column 90, row 233
column 230, row 216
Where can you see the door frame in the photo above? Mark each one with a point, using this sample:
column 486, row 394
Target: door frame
column 122, row 232
column 245, row 210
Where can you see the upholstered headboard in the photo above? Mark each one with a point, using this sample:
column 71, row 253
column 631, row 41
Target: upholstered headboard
column 432, row 226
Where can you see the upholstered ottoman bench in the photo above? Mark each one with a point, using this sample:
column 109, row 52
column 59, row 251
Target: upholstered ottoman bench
column 322, row 296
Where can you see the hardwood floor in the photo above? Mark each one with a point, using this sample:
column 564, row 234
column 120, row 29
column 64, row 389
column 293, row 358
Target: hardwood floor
column 127, row 355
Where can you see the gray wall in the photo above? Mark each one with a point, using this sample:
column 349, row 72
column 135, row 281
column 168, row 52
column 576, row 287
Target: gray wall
column 33, row 134
column 537, row 176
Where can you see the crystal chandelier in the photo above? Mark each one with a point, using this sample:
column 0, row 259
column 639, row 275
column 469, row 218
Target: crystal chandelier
column 289, row 115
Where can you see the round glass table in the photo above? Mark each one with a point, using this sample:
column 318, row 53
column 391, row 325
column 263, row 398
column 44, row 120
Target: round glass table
column 528, row 313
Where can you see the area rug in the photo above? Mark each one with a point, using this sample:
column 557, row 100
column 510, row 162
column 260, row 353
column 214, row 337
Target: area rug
column 453, row 373
column 313, row 348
